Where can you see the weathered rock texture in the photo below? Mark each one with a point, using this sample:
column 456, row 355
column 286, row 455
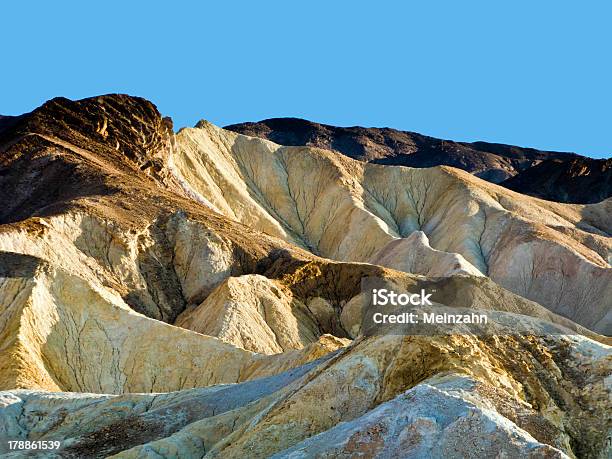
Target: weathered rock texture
column 546, row 174
column 434, row 222
column 199, row 295
column 381, row 397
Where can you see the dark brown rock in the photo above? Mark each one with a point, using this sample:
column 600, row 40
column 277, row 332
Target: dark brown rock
column 579, row 180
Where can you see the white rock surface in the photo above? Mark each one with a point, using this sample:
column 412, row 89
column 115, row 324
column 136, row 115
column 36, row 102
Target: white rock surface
column 413, row 254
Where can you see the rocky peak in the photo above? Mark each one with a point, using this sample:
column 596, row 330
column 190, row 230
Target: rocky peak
column 114, row 126
column 92, row 147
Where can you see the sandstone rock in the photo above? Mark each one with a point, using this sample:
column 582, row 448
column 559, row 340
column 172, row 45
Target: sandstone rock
column 505, row 395
column 253, row 313
column 430, row 420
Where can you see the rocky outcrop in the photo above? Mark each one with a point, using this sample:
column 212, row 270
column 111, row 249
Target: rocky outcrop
column 66, row 150
column 549, row 175
column 429, row 420
column 413, row 254
column 62, row 333
column 254, row 313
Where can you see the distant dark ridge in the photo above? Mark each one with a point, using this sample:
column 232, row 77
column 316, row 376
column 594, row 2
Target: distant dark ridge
column 578, row 180
column 6, row 122
column 497, row 163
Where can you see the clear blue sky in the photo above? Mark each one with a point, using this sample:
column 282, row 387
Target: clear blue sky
column 533, row 73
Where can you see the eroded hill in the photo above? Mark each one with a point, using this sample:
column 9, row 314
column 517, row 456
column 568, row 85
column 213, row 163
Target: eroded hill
column 199, row 295
column 338, row 208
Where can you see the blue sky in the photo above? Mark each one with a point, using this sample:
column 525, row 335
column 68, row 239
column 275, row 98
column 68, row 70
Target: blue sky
column 531, row 73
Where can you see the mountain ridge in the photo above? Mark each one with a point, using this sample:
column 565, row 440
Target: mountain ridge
column 495, row 162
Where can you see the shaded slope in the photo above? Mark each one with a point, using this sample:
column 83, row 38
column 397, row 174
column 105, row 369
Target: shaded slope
column 582, row 180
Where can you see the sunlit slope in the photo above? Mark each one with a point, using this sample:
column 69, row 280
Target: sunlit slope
column 555, row 254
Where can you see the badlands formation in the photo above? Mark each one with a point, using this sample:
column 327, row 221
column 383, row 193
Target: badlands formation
column 199, row 294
